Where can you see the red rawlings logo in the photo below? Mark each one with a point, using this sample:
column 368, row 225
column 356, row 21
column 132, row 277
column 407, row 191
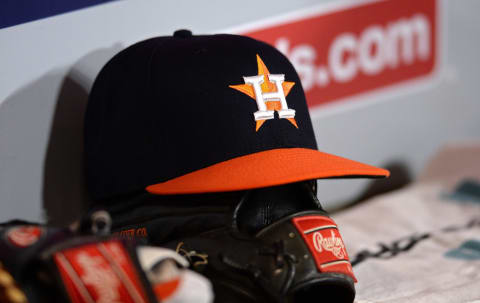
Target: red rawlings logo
column 342, row 50
column 23, row 236
column 100, row 272
column 325, row 243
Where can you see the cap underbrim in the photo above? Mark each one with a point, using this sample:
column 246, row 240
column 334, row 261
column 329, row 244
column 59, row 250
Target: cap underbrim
column 264, row 169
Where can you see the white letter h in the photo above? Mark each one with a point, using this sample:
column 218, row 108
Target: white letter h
column 279, row 95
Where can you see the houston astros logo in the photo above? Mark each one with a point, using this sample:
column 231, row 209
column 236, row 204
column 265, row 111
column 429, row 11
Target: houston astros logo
column 270, row 92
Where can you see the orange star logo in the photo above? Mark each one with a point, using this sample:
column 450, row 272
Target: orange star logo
column 270, row 92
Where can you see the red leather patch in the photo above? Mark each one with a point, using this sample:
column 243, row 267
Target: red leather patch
column 100, row 272
column 325, row 243
column 23, row 236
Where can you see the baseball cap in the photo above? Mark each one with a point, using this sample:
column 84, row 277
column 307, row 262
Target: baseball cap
column 188, row 114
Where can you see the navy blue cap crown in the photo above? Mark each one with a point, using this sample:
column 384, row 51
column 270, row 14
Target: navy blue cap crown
column 168, row 106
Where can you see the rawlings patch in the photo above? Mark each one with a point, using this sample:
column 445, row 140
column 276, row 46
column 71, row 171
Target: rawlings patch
column 24, row 236
column 325, row 243
column 100, row 272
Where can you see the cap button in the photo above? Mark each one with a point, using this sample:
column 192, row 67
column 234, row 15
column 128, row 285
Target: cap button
column 182, row 33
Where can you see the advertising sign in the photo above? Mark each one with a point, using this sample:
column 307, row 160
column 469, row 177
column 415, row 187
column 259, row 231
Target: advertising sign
column 350, row 48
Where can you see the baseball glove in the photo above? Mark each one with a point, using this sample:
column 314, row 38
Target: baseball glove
column 45, row 264
column 273, row 244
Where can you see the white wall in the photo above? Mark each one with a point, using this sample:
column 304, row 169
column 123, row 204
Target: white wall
column 47, row 68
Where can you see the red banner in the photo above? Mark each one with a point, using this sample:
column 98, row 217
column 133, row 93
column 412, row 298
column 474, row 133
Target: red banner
column 357, row 48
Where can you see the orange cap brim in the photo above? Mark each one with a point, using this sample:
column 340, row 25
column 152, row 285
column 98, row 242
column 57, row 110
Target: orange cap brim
column 266, row 168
